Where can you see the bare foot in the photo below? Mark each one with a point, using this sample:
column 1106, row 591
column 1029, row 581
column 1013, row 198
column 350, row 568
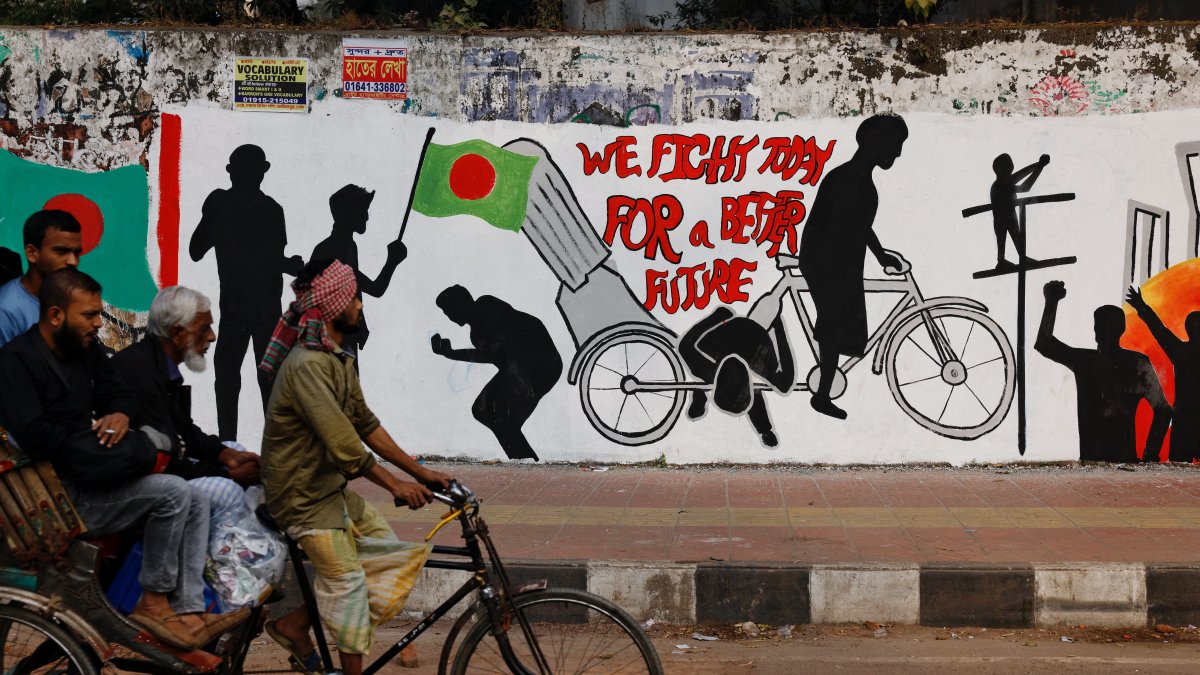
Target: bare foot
column 297, row 634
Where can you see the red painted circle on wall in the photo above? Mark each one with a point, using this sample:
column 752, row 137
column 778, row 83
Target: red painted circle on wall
column 90, row 217
column 472, row 177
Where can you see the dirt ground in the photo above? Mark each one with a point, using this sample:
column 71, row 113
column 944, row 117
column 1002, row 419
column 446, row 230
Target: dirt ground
column 871, row 648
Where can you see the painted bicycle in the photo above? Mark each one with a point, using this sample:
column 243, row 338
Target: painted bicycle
column 948, row 364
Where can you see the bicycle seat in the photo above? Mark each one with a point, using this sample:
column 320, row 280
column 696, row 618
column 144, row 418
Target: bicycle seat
column 265, row 518
column 786, row 262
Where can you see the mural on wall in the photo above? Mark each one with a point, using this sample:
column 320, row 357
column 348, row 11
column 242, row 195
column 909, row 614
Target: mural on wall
column 112, row 208
column 1110, row 382
column 836, row 239
column 245, row 228
column 351, row 207
column 518, row 345
column 658, row 267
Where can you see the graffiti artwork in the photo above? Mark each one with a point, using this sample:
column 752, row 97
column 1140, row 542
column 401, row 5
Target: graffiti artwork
column 246, row 230
column 559, row 291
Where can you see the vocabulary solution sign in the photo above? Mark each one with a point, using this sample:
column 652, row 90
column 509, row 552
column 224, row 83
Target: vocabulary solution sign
column 270, row 84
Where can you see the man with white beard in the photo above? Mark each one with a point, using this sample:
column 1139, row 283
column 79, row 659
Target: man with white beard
column 180, row 332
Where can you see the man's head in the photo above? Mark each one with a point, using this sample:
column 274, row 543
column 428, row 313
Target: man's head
column 351, row 206
column 181, row 318
column 1002, row 165
column 247, row 166
column 1110, row 326
column 348, row 319
column 70, row 310
column 53, row 240
column 732, row 386
column 882, row 138
column 456, row 302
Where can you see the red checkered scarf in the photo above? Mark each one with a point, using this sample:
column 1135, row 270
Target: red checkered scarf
column 324, row 299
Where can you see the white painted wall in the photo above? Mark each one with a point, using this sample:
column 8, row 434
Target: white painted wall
column 90, row 100
column 946, row 166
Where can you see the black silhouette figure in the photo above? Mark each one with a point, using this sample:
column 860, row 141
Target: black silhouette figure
column 1109, row 383
column 350, row 207
column 834, row 245
column 519, row 346
column 10, row 265
column 247, row 230
column 1185, row 360
column 724, row 350
column 1005, row 220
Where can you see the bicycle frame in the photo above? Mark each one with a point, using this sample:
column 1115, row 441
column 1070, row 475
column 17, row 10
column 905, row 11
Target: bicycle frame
column 481, row 580
column 793, row 284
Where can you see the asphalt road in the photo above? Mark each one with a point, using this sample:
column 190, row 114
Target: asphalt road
column 856, row 650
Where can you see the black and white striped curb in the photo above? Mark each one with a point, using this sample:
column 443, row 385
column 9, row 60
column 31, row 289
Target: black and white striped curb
column 1002, row 596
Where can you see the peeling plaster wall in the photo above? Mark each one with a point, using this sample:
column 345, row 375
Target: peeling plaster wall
column 99, row 90
column 96, row 101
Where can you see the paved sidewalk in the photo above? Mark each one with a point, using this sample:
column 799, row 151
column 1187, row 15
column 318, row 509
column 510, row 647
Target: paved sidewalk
column 1017, row 546
column 806, row 515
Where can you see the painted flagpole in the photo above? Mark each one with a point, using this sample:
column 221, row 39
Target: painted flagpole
column 416, row 179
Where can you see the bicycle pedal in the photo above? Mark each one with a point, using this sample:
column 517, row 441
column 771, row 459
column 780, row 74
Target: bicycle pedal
column 299, row 667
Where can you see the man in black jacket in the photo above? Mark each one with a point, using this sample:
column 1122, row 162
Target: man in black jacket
column 54, row 381
column 179, row 332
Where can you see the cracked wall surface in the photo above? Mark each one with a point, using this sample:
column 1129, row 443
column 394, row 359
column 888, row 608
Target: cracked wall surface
column 88, row 98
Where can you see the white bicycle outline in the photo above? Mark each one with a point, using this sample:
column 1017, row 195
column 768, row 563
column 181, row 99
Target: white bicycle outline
column 654, row 372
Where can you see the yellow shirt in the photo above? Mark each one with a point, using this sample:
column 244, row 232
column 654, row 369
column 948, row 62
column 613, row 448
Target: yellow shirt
column 312, row 442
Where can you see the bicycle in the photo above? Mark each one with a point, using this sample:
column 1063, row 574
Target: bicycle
column 928, row 347
column 61, row 622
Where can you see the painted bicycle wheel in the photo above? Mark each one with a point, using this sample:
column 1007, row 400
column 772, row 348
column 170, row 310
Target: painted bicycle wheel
column 609, row 388
column 952, row 370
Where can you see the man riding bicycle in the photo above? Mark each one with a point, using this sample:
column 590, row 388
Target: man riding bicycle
column 316, row 424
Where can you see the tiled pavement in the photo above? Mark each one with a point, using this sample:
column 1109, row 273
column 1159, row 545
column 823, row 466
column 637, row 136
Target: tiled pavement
column 810, row 515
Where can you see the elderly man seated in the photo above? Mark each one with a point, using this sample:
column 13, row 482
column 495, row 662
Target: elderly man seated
column 63, row 402
column 179, row 332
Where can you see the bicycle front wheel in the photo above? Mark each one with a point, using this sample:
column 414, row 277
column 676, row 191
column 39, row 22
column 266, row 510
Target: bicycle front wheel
column 34, row 644
column 952, row 370
column 574, row 631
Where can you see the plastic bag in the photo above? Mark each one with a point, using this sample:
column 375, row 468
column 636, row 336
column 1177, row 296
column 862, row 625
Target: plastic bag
column 246, row 560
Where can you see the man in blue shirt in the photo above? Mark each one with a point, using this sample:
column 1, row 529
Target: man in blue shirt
column 53, row 240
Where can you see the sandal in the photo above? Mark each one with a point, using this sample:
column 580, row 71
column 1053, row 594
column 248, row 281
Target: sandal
column 309, row 663
column 168, row 628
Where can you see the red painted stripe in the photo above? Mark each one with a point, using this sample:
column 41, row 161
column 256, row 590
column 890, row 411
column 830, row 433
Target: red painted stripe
column 171, row 131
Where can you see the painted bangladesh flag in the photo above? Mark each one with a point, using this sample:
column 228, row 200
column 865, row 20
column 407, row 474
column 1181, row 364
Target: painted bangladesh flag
column 475, row 178
column 112, row 208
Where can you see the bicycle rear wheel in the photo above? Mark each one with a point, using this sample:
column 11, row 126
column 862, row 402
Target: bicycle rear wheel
column 34, row 644
column 608, row 394
column 952, row 370
column 574, row 630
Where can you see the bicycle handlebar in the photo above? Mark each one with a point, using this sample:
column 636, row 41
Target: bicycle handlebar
column 454, row 496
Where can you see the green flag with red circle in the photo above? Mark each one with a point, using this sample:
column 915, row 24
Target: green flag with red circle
column 112, row 208
column 475, row 178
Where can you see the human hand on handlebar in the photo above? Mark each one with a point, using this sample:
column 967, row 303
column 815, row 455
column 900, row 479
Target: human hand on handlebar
column 434, row 479
column 891, row 260
column 412, row 495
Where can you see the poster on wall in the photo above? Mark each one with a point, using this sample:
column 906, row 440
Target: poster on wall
column 374, row 69
column 270, row 84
